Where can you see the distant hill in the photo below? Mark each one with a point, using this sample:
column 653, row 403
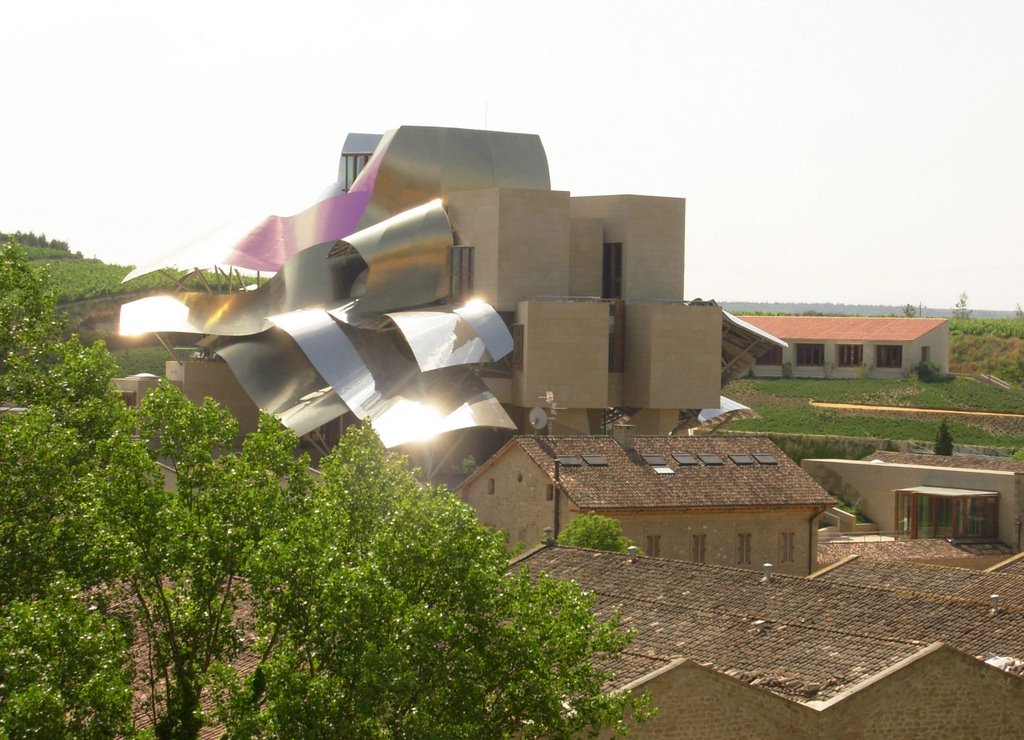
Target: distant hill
column 849, row 309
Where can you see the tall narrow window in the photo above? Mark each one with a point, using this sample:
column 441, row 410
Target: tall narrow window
column 926, row 354
column 849, row 355
column 787, row 547
column 654, row 545
column 772, row 357
column 518, row 339
column 698, row 548
column 461, row 273
column 810, row 354
column 611, row 273
column 743, row 554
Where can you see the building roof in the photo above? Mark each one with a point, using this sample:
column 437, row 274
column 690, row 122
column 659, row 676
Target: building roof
column 845, row 328
column 820, row 636
column 606, row 476
column 903, row 550
column 972, row 462
column 975, row 585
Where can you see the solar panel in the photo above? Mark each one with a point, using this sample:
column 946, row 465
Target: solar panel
column 742, row 459
column 711, row 459
column 569, row 460
column 765, row 459
column 684, row 459
column 654, row 459
column 596, row 461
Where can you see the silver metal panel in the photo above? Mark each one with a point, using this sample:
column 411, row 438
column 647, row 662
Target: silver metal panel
column 280, row 379
column 468, row 334
column 741, row 324
column 407, row 257
column 161, row 313
column 489, row 326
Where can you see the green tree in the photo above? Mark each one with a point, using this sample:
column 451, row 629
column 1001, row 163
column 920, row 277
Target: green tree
column 960, row 311
column 943, row 440
column 910, row 311
column 182, row 550
column 596, row 532
column 62, row 670
column 387, row 610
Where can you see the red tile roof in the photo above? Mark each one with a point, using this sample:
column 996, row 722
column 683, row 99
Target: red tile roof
column 845, row 328
column 821, row 637
column 975, row 462
column 903, row 550
column 630, row 482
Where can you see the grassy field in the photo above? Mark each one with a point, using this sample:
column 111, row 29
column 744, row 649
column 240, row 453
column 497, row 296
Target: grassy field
column 784, row 407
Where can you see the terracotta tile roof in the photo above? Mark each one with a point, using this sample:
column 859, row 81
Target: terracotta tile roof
column 1013, row 565
column 845, row 328
column 962, row 583
column 902, row 550
column 975, row 462
column 630, row 482
column 820, row 638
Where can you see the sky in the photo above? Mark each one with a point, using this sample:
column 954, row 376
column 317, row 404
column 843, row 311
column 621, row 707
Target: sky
column 846, row 152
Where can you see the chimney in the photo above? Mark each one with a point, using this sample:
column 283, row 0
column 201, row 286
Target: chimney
column 632, row 553
column 994, row 600
column 767, row 573
column 624, row 435
column 760, row 625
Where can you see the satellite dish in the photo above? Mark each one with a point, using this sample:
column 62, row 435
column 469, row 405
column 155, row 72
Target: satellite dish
column 538, row 419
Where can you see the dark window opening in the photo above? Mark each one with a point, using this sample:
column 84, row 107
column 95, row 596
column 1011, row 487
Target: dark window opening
column 889, row 355
column 849, row 355
column 518, row 337
column 742, row 459
column 743, row 555
column 772, row 357
column 922, row 516
column 787, row 547
column 684, row 459
column 711, row 459
column 611, row 273
column 461, row 273
column 654, row 545
column 810, row 354
column 698, row 548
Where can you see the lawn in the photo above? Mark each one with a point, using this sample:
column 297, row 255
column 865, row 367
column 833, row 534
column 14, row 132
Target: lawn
column 784, row 407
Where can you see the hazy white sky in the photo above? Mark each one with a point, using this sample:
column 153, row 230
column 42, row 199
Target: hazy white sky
column 868, row 152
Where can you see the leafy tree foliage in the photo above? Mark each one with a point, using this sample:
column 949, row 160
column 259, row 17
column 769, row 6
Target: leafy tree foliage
column 943, row 440
column 596, row 532
column 960, row 311
column 387, row 611
column 384, row 608
column 62, row 670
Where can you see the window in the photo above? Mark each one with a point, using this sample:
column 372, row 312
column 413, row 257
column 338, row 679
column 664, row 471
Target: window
column 518, row 348
column 787, row 547
column 810, row 354
column 698, row 548
column 771, row 357
column 596, row 461
column 654, row 545
column 490, row 486
column 889, row 355
column 921, row 515
column 461, row 274
column 709, row 459
column 684, row 459
column 611, row 274
column 741, row 459
column 743, row 554
column 549, row 492
column 849, row 355
column 926, row 354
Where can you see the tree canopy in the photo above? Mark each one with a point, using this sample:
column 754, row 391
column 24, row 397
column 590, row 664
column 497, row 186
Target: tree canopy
column 596, row 532
column 141, row 549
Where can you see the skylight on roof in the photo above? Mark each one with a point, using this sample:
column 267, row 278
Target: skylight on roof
column 741, row 459
column 684, row 459
column 569, row 460
column 711, row 459
column 654, row 459
column 765, row 459
column 597, row 461
column 662, row 469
